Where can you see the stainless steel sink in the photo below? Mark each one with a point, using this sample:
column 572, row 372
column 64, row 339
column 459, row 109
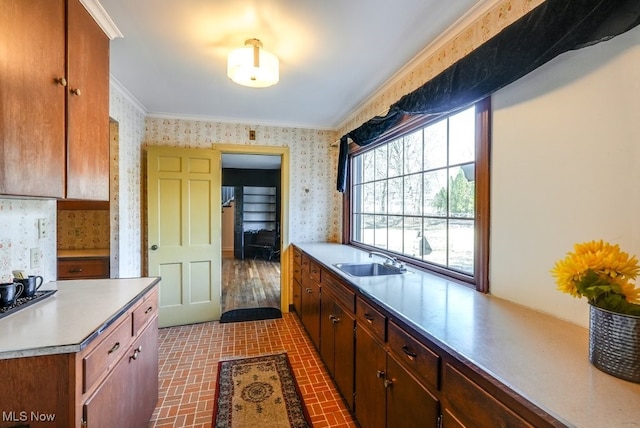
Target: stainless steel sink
column 369, row 269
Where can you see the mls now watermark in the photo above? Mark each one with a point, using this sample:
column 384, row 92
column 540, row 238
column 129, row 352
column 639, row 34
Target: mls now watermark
column 24, row 416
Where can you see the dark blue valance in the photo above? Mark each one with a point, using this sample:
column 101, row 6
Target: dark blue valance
column 554, row 27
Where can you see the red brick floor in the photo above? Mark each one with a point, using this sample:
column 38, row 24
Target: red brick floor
column 189, row 358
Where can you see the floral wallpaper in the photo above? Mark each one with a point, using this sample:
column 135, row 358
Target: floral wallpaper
column 19, row 234
column 314, row 205
column 83, row 229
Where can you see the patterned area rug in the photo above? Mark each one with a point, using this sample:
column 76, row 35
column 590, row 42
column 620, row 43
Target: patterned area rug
column 258, row 392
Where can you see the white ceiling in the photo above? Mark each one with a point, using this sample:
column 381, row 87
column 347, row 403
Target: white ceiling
column 334, row 54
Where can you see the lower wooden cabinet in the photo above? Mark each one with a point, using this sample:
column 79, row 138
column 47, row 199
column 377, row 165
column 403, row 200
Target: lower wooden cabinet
column 311, row 308
column 337, row 343
column 136, row 378
column 297, row 296
column 112, row 382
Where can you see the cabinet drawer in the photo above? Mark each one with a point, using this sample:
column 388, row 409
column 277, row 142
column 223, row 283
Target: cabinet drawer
column 315, row 272
column 305, row 263
column 297, row 257
column 472, row 406
column 343, row 295
column 99, row 361
column 83, row 268
column 419, row 359
column 144, row 312
column 373, row 319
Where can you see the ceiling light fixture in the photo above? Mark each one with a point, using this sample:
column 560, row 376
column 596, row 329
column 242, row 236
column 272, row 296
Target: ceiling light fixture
column 253, row 66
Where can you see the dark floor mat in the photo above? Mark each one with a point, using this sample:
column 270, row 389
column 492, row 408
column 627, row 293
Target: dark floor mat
column 250, row 314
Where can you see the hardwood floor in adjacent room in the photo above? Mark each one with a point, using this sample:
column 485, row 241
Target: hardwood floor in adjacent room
column 250, row 283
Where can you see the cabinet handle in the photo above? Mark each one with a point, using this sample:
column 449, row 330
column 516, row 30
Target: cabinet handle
column 380, row 374
column 137, row 351
column 114, row 348
column 409, row 354
column 369, row 318
column 149, row 309
column 335, row 320
column 388, row 383
column 331, row 316
column 309, row 291
column 75, row 270
column 61, row 81
column 76, row 92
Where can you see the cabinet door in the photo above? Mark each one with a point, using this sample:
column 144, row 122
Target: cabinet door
column 311, row 309
column 297, row 297
column 370, row 391
column 344, row 354
column 32, row 113
column 327, row 332
column 409, row 404
column 144, row 376
column 87, row 107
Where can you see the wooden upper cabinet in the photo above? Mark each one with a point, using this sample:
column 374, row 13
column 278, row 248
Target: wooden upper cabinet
column 87, row 107
column 54, row 140
column 32, row 101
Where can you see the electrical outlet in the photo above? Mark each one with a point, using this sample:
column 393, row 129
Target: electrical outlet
column 36, row 257
column 42, row 228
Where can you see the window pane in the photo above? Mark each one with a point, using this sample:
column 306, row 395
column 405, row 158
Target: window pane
column 413, row 152
column 395, row 196
column 367, row 166
column 413, row 194
column 435, row 193
column 435, row 234
column 396, row 157
column 380, row 233
column 356, row 199
column 368, row 198
column 381, row 162
column 381, row 197
column 356, row 227
column 462, row 194
column 356, row 169
column 395, row 234
column 461, row 245
column 413, row 237
column 368, row 224
column 462, row 131
column 435, row 145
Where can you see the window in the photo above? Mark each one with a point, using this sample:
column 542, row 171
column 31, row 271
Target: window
column 422, row 194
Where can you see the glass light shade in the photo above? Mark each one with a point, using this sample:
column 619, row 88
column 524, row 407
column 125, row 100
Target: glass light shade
column 242, row 69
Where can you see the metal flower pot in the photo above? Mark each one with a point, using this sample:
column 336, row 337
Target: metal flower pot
column 614, row 343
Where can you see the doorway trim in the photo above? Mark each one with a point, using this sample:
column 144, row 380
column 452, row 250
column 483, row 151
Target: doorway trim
column 285, row 291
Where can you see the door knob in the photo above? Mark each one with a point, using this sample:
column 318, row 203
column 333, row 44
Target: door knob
column 154, row 247
column 76, row 92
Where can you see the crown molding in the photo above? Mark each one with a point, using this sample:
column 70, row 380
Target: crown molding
column 472, row 15
column 128, row 95
column 100, row 15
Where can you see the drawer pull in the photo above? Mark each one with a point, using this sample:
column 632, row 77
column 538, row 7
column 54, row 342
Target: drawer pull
column 369, row 318
column 380, row 374
column 409, row 354
column 335, row 320
column 137, row 351
column 75, row 270
column 388, row 383
column 149, row 309
column 309, row 291
column 114, row 348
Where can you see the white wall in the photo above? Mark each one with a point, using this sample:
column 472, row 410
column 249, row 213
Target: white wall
column 564, row 169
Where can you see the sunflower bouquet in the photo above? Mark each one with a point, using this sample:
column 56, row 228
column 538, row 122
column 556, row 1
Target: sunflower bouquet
column 601, row 272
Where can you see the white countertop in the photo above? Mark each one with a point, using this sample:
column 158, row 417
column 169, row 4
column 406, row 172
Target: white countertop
column 62, row 323
column 543, row 359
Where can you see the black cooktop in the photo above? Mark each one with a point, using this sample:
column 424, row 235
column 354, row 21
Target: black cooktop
column 23, row 302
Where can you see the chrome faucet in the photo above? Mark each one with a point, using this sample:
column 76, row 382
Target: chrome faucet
column 390, row 261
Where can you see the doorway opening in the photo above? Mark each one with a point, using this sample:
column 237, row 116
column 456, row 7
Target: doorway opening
column 252, row 219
